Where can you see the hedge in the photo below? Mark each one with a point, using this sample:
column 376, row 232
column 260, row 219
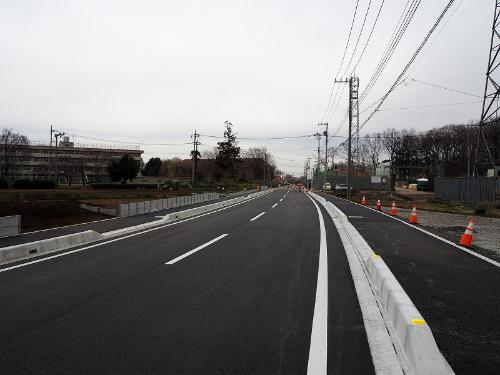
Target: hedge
column 33, row 184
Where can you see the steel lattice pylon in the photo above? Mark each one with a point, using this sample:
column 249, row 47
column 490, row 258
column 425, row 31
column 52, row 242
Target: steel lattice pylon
column 492, row 89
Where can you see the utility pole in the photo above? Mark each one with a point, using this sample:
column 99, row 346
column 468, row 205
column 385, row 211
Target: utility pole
column 194, row 157
column 51, row 166
column 56, row 172
column 325, row 133
column 318, row 163
column 353, row 115
column 308, row 173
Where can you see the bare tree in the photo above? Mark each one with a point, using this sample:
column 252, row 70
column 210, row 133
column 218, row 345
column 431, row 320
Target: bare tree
column 371, row 149
column 11, row 143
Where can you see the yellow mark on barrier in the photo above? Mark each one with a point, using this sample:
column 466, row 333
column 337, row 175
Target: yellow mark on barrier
column 375, row 256
column 418, row 322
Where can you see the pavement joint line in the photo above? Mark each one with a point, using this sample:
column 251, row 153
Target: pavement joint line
column 256, row 217
column 318, row 351
column 123, row 237
column 71, row 225
column 482, row 257
column 274, row 205
column 180, row 257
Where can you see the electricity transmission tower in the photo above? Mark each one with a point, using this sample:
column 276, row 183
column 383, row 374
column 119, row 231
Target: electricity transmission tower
column 490, row 107
column 491, row 89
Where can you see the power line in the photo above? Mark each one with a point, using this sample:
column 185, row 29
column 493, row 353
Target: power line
column 261, row 139
column 444, row 88
column 370, row 35
column 129, row 142
column 415, row 54
column 397, row 35
column 431, row 106
column 359, row 37
column 342, row 62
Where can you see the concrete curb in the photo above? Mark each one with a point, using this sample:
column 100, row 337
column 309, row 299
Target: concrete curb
column 182, row 215
column 420, row 351
column 32, row 249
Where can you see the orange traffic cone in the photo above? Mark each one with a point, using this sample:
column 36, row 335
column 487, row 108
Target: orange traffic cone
column 413, row 216
column 379, row 206
column 394, row 210
column 363, row 201
column 466, row 239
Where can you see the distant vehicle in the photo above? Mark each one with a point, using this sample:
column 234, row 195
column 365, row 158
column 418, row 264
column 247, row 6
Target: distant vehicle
column 341, row 189
column 422, row 184
column 327, row 186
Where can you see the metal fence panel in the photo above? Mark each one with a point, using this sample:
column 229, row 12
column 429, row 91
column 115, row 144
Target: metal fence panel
column 468, row 189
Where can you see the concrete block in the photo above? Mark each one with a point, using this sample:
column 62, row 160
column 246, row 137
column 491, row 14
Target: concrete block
column 132, row 209
column 122, row 210
column 10, row 225
column 140, row 208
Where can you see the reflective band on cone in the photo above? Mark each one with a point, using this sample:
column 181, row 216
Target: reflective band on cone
column 413, row 216
column 394, row 210
column 363, row 201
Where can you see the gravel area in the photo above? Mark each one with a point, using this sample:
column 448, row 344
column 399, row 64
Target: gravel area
column 486, row 240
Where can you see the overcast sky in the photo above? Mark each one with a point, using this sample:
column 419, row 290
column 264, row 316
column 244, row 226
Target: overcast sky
column 154, row 71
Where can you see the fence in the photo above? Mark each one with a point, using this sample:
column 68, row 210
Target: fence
column 137, row 208
column 381, row 183
column 468, row 189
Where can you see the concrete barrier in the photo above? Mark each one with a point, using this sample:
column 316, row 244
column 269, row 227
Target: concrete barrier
column 31, row 249
column 420, row 351
column 10, row 225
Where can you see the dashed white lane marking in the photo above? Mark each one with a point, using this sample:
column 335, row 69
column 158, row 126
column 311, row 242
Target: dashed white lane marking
column 175, row 260
column 256, row 217
column 355, row 217
column 281, row 200
column 317, row 363
column 274, row 205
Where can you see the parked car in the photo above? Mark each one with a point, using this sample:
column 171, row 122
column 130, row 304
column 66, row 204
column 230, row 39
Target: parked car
column 341, row 189
column 422, row 184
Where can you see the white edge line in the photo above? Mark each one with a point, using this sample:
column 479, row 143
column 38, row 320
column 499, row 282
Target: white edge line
column 124, row 237
column 180, row 257
column 486, row 259
column 318, row 351
column 256, row 217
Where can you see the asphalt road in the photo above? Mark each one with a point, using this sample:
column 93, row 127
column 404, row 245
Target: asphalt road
column 457, row 293
column 185, row 299
column 100, row 226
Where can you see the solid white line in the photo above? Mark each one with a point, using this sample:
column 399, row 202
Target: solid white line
column 259, row 215
column 318, row 351
column 274, row 205
column 175, row 260
column 377, row 327
column 124, row 237
column 482, row 257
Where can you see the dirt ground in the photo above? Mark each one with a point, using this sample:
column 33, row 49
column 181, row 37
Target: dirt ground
column 36, row 215
column 452, row 226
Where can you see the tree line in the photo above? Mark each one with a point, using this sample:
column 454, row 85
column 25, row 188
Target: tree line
column 450, row 151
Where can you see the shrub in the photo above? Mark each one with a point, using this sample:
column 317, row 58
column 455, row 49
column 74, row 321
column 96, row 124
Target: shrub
column 480, row 211
column 33, row 184
column 124, row 186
